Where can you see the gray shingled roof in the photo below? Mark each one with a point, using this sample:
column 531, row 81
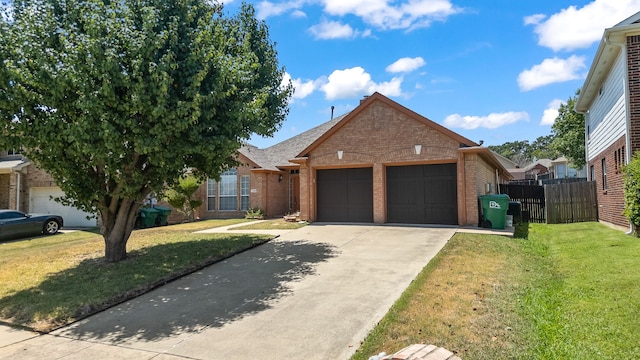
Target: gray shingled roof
column 280, row 154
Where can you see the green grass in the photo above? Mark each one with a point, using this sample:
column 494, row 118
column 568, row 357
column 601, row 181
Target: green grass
column 569, row 291
column 276, row 224
column 588, row 304
column 47, row 282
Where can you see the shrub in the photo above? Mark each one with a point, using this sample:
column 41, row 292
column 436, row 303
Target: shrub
column 254, row 213
column 632, row 191
column 180, row 196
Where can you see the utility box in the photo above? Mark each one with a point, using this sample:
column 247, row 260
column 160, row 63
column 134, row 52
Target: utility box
column 494, row 210
column 514, row 210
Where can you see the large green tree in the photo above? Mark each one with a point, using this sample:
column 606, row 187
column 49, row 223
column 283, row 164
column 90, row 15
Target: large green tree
column 115, row 99
column 568, row 131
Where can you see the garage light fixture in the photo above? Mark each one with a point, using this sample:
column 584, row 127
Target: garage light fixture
column 340, row 152
column 418, row 149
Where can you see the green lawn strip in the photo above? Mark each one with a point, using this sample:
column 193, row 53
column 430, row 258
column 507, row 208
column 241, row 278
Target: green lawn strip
column 464, row 300
column 207, row 224
column 569, row 291
column 47, row 282
column 588, row 303
column 276, row 224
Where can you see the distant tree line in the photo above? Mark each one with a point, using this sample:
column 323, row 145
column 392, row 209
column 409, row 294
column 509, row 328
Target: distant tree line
column 566, row 138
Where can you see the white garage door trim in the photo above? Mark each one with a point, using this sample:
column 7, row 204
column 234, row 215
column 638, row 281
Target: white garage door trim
column 40, row 202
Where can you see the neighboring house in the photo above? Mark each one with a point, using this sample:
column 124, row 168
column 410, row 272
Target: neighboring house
column 26, row 188
column 561, row 169
column 610, row 101
column 505, row 162
column 532, row 172
column 380, row 163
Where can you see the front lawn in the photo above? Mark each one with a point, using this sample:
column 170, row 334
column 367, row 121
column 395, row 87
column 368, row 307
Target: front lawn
column 275, row 224
column 569, row 291
column 46, row 282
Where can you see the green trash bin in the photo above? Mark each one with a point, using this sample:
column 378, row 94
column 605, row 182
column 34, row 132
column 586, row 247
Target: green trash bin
column 163, row 214
column 494, row 209
column 147, row 217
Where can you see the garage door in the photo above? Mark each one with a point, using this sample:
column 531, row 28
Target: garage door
column 422, row 194
column 40, row 202
column 345, row 195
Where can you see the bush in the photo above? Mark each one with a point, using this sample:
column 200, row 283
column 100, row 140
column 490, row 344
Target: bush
column 632, row 191
column 254, row 213
column 180, row 196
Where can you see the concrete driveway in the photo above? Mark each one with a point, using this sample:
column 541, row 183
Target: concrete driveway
column 313, row 293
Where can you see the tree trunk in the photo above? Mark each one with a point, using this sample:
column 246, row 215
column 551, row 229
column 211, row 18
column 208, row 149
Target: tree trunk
column 117, row 224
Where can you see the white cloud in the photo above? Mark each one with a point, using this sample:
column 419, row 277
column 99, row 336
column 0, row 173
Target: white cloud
column 575, row 28
column 551, row 112
column 354, row 82
column 406, row 64
column 298, row 14
column 388, row 88
column 552, row 71
column 266, row 9
column 406, row 15
column 333, row 30
column 302, row 88
column 491, row 121
column 534, row 19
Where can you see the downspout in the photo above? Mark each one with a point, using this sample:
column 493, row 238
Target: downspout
column 625, row 76
column 18, row 192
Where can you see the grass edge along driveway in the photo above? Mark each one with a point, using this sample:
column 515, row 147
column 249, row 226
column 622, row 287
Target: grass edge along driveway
column 569, row 291
column 48, row 282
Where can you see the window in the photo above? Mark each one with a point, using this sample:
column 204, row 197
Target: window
column 592, row 173
column 244, row 192
column 604, row 174
column 561, row 171
column 228, row 190
column 619, row 157
column 211, row 195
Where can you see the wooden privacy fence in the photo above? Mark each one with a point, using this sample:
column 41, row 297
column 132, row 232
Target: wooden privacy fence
column 531, row 198
column 554, row 204
column 571, row 202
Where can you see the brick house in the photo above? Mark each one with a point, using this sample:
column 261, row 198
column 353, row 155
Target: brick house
column 25, row 187
column 379, row 163
column 610, row 101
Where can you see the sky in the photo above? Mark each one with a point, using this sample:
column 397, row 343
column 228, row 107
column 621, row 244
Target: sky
column 491, row 70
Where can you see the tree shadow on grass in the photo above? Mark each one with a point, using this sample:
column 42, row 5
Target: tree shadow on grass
column 220, row 294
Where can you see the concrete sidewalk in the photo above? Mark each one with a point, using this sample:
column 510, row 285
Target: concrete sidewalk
column 313, row 293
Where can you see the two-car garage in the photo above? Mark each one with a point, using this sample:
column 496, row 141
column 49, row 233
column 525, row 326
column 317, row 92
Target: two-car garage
column 415, row 194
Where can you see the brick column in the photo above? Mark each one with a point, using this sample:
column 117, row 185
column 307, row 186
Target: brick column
column 379, row 194
column 305, row 192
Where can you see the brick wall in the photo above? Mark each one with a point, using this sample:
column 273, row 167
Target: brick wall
column 266, row 192
column 633, row 69
column 378, row 137
column 611, row 199
column 5, row 190
column 478, row 173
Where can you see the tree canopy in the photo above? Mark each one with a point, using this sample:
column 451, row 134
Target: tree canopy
column 567, row 138
column 568, row 131
column 524, row 152
column 115, row 99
